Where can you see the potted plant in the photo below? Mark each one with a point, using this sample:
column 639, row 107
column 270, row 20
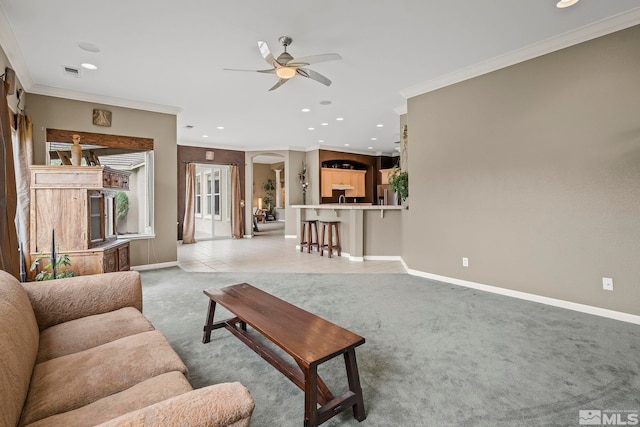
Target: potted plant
column 399, row 183
column 61, row 268
column 269, row 188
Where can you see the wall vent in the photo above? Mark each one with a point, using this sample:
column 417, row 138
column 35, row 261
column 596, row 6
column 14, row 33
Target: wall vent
column 71, row 71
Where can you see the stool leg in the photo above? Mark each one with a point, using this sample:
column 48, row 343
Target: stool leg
column 308, row 237
column 338, row 240
column 322, row 240
column 301, row 235
column 315, row 226
column 330, row 241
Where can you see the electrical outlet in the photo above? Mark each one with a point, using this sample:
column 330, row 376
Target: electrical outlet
column 607, row 283
column 465, row 262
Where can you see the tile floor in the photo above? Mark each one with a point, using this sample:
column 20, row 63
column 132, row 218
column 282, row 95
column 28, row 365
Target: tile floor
column 269, row 251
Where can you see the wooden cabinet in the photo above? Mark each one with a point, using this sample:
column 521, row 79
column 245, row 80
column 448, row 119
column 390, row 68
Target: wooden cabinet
column 386, row 173
column 78, row 202
column 350, row 180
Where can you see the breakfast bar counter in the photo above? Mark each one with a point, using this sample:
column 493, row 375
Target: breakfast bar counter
column 366, row 231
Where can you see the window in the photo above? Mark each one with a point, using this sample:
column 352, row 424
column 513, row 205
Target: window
column 216, row 194
column 208, row 194
column 198, row 196
column 137, row 220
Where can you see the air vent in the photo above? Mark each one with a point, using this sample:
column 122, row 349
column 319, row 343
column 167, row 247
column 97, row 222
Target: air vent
column 189, row 126
column 71, row 71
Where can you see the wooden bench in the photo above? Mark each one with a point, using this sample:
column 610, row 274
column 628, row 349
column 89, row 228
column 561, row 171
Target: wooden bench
column 307, row 338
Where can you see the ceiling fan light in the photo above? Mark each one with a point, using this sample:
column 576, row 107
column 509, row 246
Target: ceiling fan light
column 286, row 72
column 566, row 3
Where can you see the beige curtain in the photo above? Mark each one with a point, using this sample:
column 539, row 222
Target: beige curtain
column 23, row 157
column 189, row 224
column 9, row 260
column 237, row 226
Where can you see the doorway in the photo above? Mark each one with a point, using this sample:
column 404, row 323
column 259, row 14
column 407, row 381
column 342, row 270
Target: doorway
column 213, row 202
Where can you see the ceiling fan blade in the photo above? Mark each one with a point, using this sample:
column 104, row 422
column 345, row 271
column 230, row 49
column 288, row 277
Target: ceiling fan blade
column 305, row 72
column 280, row 83
column 313, row 59
column 270, row 71
column 266, row 53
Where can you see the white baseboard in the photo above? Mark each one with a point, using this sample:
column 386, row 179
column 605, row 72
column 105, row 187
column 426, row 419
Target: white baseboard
column 155, row 266
column 382, row 258
column 290, row 236
column 582, row 308
column 248, row 236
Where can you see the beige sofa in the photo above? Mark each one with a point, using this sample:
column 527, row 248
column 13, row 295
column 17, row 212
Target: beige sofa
column 79, row 352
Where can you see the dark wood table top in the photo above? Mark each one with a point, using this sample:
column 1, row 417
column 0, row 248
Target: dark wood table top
column 306, row 337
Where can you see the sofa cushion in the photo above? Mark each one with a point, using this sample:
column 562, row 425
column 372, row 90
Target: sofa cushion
column 219, row 405
column 91, row 331
column 18, row 348
column 69, row 382
column 146, row 393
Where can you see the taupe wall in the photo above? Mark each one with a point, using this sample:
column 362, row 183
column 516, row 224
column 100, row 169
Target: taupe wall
column 58, row 113
column 533, row 172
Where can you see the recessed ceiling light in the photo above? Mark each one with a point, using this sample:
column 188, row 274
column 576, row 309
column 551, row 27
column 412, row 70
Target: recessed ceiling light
column 566, row 3
column 325, row 102
column 370, row 148
column 321, row 140
column 374, row 139
column 220, row 127
column 324, row 124
column 305, row 110
column 379, row 125
column 340, row 119
column 88, row 66
column 312, row 128
column 89, row 47
column 205, row 136
column 346, row 145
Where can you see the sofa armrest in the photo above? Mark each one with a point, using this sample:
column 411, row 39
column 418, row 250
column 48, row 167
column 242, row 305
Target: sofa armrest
column 226, row 404
column 61, row 300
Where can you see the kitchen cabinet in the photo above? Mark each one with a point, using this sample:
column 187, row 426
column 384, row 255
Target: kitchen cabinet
column 350, row 180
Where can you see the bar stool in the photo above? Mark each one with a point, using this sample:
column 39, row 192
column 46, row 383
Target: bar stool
column 331, row 245
column 306, row 227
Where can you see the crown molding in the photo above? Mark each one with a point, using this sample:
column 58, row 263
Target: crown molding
column 103, row 99
column 562, row 41
column 401, row 109
column 273, row 149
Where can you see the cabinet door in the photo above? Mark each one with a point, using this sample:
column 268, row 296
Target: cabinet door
column 110, row 261
column 123, row 257
column 356, row 180
column 325, row 185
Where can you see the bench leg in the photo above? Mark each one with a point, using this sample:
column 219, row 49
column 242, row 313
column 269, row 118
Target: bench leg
column 208, row 326
column 310, row 396
column 354, row 384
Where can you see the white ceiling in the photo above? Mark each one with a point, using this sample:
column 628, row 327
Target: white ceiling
column 169, row 56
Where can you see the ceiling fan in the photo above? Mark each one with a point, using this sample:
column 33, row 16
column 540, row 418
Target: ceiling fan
column 286, row 66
